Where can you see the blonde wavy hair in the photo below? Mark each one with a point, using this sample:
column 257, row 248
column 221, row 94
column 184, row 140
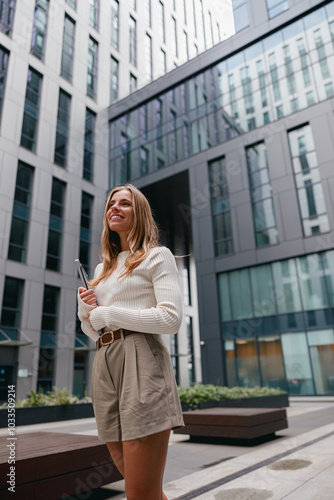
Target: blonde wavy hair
column 143, row 236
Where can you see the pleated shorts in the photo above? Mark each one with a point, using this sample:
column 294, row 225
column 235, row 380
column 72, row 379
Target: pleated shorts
column 134, row 391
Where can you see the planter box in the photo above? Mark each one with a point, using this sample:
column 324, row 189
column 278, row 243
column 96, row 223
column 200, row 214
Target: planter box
column 46, row 414
column 280, row 401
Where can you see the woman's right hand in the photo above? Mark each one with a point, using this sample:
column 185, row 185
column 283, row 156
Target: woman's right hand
column 87, row 296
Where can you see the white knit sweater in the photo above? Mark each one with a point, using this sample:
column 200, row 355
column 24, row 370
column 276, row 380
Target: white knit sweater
column 147, row 300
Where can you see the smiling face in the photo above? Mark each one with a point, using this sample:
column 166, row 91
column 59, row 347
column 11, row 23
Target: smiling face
column 120, row 212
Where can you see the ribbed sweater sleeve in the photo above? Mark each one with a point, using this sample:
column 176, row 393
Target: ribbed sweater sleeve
column 83, row 310
column 164, row 317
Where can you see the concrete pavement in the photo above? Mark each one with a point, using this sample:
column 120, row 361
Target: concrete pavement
column 298, row 464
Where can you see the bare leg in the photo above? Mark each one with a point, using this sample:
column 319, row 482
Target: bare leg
column 144, row 464
column 116, row 452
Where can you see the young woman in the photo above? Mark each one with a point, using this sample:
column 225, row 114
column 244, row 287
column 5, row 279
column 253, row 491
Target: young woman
column 136, row 298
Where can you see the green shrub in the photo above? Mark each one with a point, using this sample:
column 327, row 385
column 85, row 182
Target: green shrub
column 50, row 398
column 199, row 393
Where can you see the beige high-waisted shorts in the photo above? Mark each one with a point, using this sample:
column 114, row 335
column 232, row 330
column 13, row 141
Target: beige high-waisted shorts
column 134, row 391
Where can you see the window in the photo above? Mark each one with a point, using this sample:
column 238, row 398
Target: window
column 158, row 123
column 175, row 48
column 163, row 62
column 63, row 118
column 133, row 83
column 7, row 16
column 185, row 44
column 94, row 6
column 193, row 6
column 191, row 357
column 329, row 89
column 21, row 213
column 240, row 14
column 261, row 195
column 39, row 28
column 133, row 42
column 11, row 307
column 48, row 338
column 307, row 180
column 184, row 12
column 53, row 257
column 92, row 68
column 143, row 121
column 113, row 79
column 3, row 72
column 148, row 57
column 88, row 167
column 161, row 20
column 72, row 3
column 202, row 30
column 68, row 49
column 172, row 137
column 114, row 23
column 85, row 230
column 143, row 161
column 220, row 207
column 31, row 110
column 211, row 29
column 148, row 12
column 276, row 7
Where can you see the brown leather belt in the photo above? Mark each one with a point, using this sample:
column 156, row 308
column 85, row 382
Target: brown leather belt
column 107, row 338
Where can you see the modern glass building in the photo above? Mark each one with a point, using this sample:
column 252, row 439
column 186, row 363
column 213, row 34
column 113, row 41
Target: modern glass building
column 235, row 151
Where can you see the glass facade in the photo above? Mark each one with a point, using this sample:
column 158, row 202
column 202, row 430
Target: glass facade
column 276, row 7
column 258, row 85
column 48, row 338
column 220, row 206
column 308, row 183
column 53, row 258
column 278, row 324
column 21, row 213
column 115, row 23
column 68, row 49
column 31, row 110
column 11, row 308
column 261, row 195
column 63, row 119
column 92, row 68
column 88, row 168
column 85, row 230
column 3, row 72
column 7, row 16
column 39, row 28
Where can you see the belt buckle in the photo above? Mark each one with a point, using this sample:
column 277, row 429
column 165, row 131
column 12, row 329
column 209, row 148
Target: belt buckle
column 110, row 341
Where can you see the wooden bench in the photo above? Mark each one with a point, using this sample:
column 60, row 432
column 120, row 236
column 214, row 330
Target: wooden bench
column 239, row 423
column 52, row 465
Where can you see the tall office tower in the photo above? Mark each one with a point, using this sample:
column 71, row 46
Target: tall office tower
column 236, row 154
column 63, row 62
